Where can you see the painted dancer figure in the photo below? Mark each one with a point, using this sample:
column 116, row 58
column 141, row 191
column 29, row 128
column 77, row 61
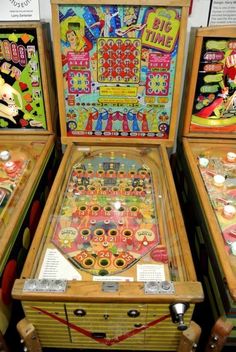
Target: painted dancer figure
column 100, row 23
column 101, row 116
column 108, row 17
column 104, row 22
column 132, row 116
column 123, row 117
column 111, row 117
column 142, row 116
column 91, row 117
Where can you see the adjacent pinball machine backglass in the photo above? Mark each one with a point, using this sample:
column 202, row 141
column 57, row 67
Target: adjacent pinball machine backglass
column 208, row 157
column 26, row 137
column 110, row 265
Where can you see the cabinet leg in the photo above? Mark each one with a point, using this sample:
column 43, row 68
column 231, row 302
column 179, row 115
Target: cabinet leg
column 219, row 334
column 189, row 339
column 29, row 336
column 3, row 345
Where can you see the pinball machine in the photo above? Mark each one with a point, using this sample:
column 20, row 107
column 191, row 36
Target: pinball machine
column 110, row 265
column 27, row 108
column 206, row 166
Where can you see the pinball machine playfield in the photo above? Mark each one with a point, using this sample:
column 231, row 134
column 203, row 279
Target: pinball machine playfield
column 110, row 266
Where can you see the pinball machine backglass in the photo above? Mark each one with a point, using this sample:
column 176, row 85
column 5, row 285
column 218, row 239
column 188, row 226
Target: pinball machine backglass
column 111, row 245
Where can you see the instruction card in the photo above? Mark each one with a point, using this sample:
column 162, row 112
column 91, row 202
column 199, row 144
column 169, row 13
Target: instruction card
column 55, row 266
column 19, row 10
column 222, row 12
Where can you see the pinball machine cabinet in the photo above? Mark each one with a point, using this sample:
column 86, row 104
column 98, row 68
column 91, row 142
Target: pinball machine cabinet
column 27, row 108
column 206, row 165
column 110, row 266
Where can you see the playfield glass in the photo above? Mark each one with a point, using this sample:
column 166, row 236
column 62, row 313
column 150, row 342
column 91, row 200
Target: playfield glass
column 217, row 166
column 112, row 219
column 17, row 162
column 118, row 65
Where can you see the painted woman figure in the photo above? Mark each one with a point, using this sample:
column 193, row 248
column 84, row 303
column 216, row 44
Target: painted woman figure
column 104, row 22
column 108, row 17
column 77, row 43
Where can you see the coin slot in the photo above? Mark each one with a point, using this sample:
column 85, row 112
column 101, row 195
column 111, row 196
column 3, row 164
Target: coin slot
column 99, row 335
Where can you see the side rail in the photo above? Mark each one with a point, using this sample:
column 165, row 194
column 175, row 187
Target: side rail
column 3, row 346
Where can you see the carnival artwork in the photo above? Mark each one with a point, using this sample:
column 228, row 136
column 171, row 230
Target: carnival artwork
column 118, row 65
